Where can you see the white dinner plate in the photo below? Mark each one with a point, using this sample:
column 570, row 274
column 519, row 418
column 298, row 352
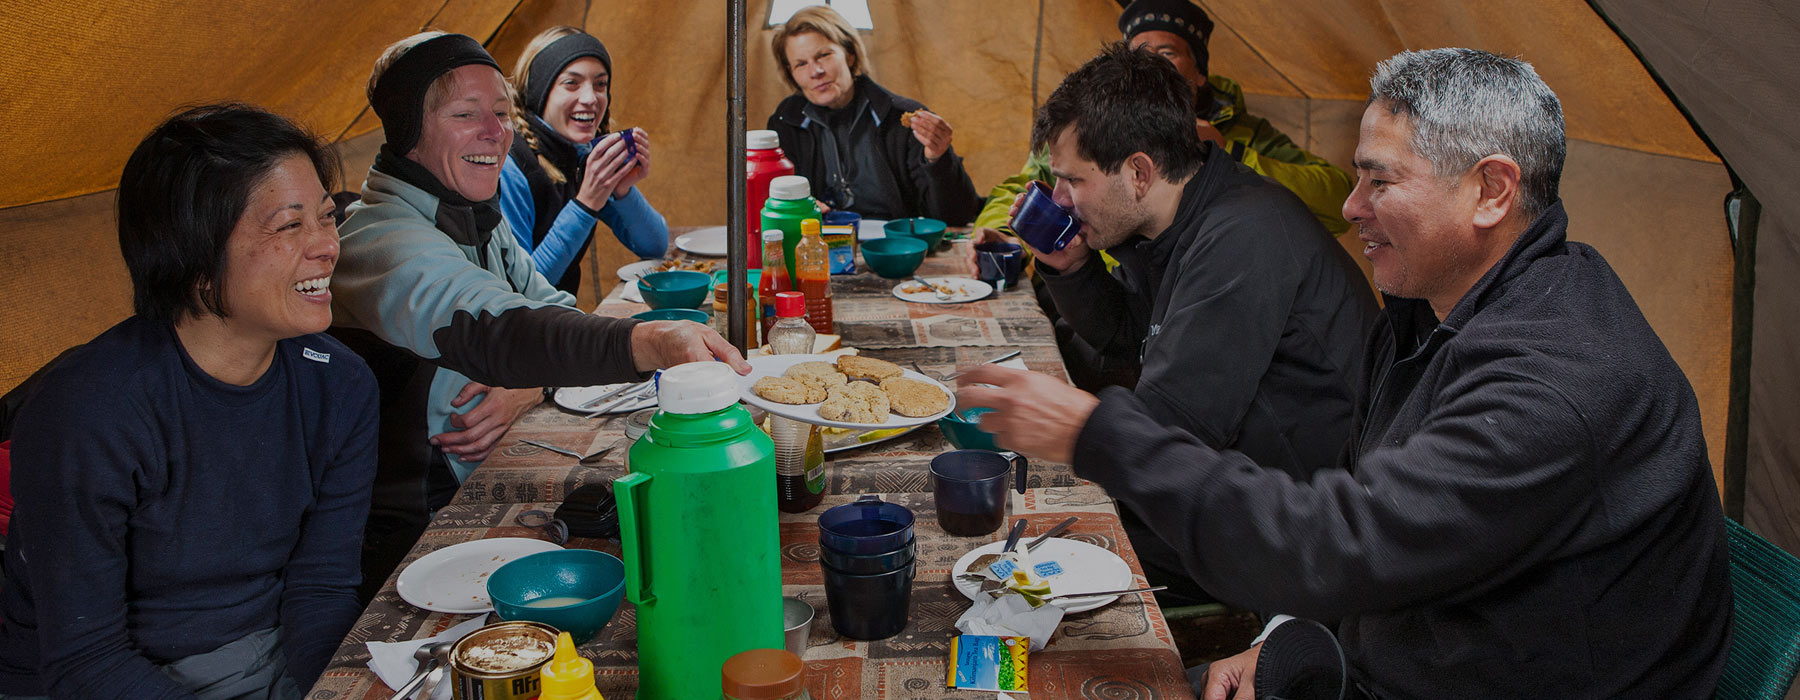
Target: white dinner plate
column 871, row 229
column 1084, row 567
column 775, row 365
column 967, row 289
column 630, row 272
column 708, row 241
column 573, row 397
column 454, row 579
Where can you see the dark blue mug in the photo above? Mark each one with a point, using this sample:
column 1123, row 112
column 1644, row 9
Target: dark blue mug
column 969, row 487
column 871, row 606
column 999, row 264
column 1042, row 222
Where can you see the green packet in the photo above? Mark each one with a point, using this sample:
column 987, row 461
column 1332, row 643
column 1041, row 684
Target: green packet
column 986, row 662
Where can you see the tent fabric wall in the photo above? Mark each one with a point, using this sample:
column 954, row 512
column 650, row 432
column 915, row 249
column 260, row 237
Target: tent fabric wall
column 1640, row 185
column 1731, row 64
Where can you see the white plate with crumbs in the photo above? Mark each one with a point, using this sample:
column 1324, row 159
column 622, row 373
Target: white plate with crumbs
column 774, row 365
column 1070, row 566
column 944, row 290
column 454, row 579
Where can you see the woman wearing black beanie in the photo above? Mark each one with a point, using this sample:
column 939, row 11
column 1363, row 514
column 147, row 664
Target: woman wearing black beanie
column 435, row 290
column 564, row 171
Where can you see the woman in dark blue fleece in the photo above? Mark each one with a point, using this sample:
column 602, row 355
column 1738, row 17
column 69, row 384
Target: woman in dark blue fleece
column 192, row 483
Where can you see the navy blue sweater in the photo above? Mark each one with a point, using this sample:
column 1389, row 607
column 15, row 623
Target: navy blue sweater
column 163, row 513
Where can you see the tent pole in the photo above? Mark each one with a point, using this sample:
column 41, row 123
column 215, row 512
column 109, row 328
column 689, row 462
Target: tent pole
column 737, row 275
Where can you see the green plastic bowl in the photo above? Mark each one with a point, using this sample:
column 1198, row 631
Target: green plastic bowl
column 967, row 434
column 695, row 315
column 675, row 289
column 595, row 580
column 931, row 231
column 894, row 258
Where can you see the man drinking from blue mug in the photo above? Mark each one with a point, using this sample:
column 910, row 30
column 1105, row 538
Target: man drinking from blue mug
column 1527, row 508
column 1247, row 317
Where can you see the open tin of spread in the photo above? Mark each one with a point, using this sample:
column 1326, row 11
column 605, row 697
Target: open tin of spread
column 501, row 661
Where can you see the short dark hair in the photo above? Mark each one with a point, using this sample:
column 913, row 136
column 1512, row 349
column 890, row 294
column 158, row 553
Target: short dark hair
column 184, row 189
column 1122, row 102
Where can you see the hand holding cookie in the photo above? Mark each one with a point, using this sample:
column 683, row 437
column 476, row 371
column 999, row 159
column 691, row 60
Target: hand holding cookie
column 931, row 130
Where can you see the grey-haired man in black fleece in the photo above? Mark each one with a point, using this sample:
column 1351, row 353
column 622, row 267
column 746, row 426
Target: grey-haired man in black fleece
column 1525, row 509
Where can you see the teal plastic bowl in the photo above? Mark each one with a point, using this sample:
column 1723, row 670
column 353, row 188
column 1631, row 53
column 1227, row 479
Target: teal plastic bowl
column 931, row 231
column 593, row 582
column 675, row 289
column 695, row 315
column 966, row 434
column 894, row 258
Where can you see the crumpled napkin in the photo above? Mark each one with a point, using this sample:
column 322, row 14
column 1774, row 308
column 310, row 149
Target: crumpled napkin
column 394, row 662
column 1010, row 615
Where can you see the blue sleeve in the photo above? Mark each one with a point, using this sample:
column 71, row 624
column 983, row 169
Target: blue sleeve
column 74, row 481
column 515, row 202
column 571, row 228
column 318, row 599
column 637, row 224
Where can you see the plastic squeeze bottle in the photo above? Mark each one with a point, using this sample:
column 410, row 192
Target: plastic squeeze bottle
column 812, row 266
column 568, row 676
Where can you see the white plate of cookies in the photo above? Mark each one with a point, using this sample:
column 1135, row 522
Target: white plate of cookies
column 849, row 391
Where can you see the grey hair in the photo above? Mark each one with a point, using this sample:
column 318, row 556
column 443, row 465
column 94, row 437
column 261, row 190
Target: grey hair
column 1466, row 105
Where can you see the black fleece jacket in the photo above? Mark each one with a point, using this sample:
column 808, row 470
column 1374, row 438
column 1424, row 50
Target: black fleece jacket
column 940, row 189
column 1247, row 317
column 1528, row 510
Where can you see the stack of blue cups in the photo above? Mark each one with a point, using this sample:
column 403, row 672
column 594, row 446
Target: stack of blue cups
column 866, row 551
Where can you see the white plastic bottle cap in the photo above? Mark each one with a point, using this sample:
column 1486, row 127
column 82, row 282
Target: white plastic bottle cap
column 789, row 187
column 697, row 387
column 761, row 140
column 773, row 234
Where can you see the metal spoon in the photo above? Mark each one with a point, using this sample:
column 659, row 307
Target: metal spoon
column 601, row 453
column 1012, row 536
column 989, row 361
column 941, row 294
column 427, row 655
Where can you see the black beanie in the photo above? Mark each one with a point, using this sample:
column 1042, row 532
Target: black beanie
column 1177, row 16
column 551, row 61
column 399, row 95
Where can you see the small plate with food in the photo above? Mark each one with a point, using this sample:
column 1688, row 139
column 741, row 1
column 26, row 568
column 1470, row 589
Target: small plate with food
column 631, row 272
column 942, row 290
column 1070, row 567
column 860, row 393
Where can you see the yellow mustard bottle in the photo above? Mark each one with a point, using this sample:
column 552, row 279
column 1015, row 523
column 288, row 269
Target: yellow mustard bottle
column 568, row 676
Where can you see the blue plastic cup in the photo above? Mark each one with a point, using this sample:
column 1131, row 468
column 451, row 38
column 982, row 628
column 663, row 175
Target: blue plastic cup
column 871, row 606
column 1042, row 222
column 867, row 526
column 868, row 563
column 970, row 489
column 999, row 264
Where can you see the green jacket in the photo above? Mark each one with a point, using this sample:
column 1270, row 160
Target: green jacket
column 1265, row 149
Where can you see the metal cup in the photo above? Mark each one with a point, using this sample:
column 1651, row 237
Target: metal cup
column 797, row 616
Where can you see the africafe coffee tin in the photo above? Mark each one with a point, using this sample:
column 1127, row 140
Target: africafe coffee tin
column 501, row 661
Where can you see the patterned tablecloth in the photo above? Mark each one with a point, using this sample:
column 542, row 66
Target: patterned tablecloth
column 1121, row 651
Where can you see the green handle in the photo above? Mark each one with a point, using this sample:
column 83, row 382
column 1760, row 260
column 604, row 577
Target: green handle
column 628, row 491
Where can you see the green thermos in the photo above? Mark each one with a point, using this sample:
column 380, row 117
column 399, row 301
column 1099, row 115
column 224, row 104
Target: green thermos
column 790, row 202
column 698, row 522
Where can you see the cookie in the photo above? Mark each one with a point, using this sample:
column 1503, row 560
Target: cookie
column 788, row 391
column 868, row 368
column 856, row 402
column 818, row 375
column 913, row 398
column 906, row 119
